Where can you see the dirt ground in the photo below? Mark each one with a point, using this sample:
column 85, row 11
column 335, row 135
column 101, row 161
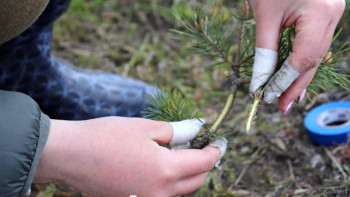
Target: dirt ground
column 276, row 158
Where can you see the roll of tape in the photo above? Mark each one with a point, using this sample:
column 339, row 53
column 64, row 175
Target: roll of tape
column 329, row 124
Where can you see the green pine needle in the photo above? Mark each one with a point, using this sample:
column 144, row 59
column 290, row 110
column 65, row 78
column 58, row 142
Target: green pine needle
column 328, row 75
column 170, row 105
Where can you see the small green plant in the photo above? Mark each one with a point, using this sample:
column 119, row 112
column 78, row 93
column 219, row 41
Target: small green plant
column 213, row 36
column 170, row 105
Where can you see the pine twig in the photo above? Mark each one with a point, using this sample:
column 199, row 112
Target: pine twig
column 217, row 48
column 223, row 113
column 235, row 77
column 246, row 59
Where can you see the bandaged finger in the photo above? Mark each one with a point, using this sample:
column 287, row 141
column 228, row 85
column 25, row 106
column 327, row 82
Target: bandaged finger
column 280, row 82
column 185, row 130
column 264, row 66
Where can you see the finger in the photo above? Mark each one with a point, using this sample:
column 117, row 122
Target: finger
column 328, row 37
column 305, row 56
column 190, row 184
column 192, row 162
column 310, row 37
column 296, row 89
column 164, row 132
column 303, row 81
column 314, row 32
column 267, row 37
column 158, row 131
column 268, row 24
column 185, row 130
column 265, row 61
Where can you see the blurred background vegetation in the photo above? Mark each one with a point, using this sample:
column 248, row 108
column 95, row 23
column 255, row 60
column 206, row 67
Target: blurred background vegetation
column 132, row 38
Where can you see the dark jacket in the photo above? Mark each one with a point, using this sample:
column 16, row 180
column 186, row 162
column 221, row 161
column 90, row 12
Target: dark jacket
column 23, row 133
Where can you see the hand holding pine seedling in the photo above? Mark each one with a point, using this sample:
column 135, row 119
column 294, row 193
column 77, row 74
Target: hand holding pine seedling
column 213, row 37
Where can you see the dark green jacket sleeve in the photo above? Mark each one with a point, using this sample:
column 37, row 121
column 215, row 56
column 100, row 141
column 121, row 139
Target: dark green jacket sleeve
column 23, row 133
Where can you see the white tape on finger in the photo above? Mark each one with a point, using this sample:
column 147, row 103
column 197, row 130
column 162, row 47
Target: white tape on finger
column 185, row 130
column 220, row 143
column 264, row 66
column 280, row 82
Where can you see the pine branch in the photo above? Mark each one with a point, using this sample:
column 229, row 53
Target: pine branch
column 209, row 34
column 217, row 48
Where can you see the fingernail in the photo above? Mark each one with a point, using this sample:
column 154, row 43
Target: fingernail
column 302, row 95
column 288, row 109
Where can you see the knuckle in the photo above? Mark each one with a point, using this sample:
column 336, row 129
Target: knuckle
column 330, row 8
column 335, row 6
column 310, row 62
column 303, row 63
column 168, row 173
column 340, row 7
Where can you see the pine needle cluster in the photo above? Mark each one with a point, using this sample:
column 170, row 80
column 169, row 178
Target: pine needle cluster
column 170, row 105
column 210, row 36
column 327, row 75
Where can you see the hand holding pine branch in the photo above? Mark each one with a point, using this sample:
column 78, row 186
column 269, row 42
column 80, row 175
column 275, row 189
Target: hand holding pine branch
column 315, row 22
column 210, row 36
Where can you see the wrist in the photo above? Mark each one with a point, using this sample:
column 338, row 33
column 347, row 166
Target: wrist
column 52, row 164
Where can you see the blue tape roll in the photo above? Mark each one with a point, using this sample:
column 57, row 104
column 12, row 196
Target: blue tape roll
column 319, row 123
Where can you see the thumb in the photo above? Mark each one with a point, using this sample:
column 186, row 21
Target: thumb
column 265, row 60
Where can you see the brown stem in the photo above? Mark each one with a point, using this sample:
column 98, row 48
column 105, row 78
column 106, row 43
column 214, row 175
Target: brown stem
column 244, row 81
column 234, row 79
column 217, row 48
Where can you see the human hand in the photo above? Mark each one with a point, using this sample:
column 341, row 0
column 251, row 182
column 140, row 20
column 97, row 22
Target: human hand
column 315, row 22
column 116, row 156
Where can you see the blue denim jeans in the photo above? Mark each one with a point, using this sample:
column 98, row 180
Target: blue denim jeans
column 61, row 90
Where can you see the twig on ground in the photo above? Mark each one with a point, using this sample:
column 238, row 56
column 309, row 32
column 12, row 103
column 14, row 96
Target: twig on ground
column 254, row 155
column 336, row 163
column 291, row 170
